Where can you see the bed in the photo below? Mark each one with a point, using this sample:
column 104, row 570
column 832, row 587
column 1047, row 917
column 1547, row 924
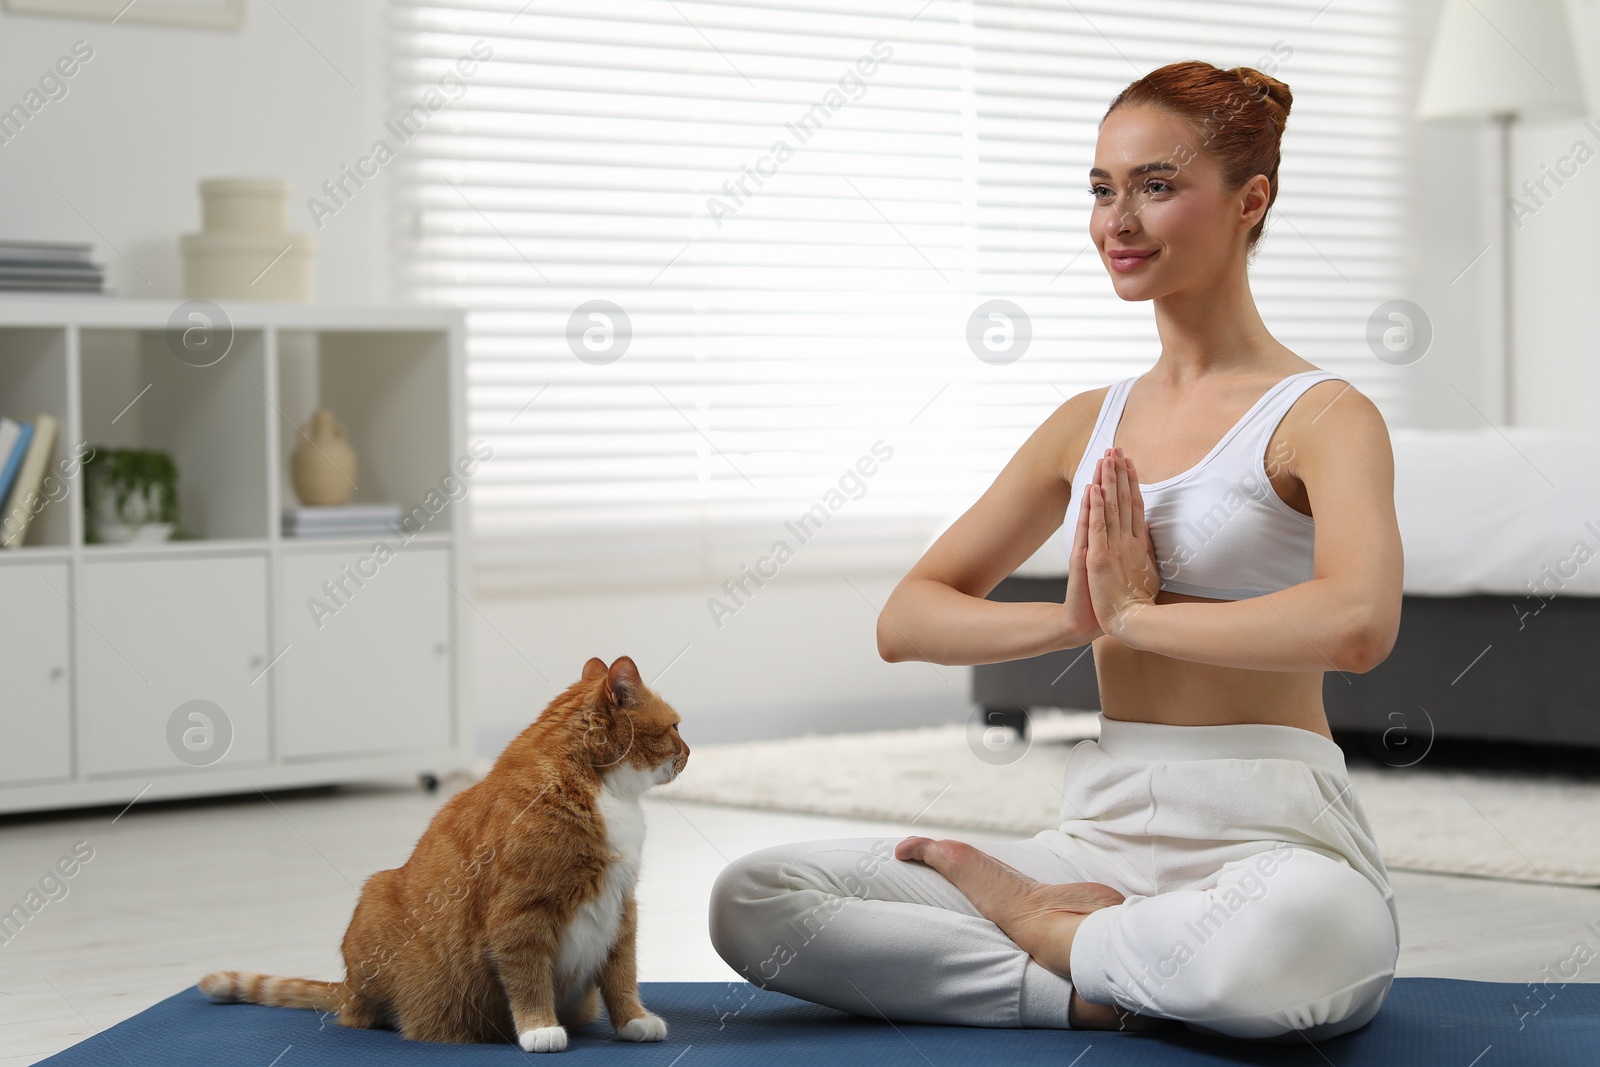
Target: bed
column 1500, row 623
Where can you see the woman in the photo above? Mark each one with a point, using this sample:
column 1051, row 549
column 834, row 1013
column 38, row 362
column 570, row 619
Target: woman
column 1213, row 866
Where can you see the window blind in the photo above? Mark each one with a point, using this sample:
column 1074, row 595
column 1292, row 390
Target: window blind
column 727, row 265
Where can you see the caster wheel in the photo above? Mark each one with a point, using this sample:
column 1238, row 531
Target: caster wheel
column 430, row 782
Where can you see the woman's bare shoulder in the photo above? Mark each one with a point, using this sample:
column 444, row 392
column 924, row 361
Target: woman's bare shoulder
column 1080, row 411
column 1339, row 399
column 1336, row 420
column 1071, row 425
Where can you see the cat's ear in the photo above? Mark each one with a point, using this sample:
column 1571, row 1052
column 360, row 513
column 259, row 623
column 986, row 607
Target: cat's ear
column 594, row 668
column 624, row 688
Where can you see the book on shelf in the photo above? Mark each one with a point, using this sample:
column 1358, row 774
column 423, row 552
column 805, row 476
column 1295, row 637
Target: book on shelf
column 51, row 266
column 341, row 520
column 50, row 271
column 9, row 285
column 14, row 438
column 46, row 251
column 23, row 500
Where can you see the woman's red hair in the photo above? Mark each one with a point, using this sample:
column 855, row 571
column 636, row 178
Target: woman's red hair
column 1239, row 116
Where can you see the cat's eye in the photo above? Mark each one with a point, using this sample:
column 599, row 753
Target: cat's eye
column 674, row 726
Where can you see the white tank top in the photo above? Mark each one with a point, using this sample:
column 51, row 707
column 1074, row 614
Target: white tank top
column 1220, row 530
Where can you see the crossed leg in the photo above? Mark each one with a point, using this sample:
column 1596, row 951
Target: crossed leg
column 1288, row 944
column 1041, row 918
column 848, row 924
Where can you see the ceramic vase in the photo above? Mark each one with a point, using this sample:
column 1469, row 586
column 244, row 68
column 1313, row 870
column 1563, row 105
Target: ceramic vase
column 323, row 467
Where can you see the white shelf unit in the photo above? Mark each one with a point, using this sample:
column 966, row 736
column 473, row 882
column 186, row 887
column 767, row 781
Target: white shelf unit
column 101, row 645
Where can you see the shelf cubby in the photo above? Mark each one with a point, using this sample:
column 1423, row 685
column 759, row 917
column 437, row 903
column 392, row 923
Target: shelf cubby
column 211, row 420
column 387, row 388
column 34, row 380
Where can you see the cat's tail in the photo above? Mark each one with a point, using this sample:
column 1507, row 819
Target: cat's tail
column 231, row 987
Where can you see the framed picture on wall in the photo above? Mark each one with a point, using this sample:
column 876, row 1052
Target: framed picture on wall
column 208, row 14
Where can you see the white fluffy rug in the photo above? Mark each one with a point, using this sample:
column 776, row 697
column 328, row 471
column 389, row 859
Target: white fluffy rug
column 1526, row 827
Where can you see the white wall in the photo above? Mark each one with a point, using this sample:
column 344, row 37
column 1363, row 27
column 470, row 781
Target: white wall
column 1450, row 220
column 800, row 656
column 1557, row 273
column 1556, row 261
column 158, row 108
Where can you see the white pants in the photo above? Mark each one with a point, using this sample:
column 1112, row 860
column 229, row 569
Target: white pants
column 1257, row 904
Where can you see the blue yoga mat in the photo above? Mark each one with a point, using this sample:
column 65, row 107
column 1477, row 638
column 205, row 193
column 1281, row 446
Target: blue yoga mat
column 1424, row 1021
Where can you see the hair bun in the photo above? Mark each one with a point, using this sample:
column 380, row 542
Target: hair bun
column 1239, row 116
column 1266, row 88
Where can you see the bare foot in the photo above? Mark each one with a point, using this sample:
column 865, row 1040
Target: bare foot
column 1041, row 918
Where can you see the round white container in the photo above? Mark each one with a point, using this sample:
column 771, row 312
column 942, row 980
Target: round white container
column 249, row 266
column 244, row 205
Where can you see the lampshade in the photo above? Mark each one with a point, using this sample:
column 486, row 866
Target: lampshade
column 1502, row 57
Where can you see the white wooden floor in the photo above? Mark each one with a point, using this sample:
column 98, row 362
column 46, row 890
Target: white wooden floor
column 174, row 891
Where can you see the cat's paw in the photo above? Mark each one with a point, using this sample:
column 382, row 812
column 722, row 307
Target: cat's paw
column 647, row 1027
column 543, row 1039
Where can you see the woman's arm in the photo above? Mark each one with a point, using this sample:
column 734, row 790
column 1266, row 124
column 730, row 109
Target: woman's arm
column 1346, row 618
column 959, row 629
column 938, row 612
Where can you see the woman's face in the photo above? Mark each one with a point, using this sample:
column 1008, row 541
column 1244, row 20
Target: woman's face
column 1155, row 191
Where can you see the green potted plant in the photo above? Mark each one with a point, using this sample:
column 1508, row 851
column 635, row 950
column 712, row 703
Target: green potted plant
column 130, row 496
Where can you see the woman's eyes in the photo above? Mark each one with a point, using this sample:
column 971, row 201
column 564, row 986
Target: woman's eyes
column 1150, row 186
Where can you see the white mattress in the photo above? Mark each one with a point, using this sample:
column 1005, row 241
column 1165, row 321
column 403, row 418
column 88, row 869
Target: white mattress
column 1480, row 511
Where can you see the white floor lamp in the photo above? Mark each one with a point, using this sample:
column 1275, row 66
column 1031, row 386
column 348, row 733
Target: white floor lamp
column 1502, row 60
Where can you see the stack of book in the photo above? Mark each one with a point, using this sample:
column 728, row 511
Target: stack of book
column 344, row 520
column 50, row 266
column 25, row 450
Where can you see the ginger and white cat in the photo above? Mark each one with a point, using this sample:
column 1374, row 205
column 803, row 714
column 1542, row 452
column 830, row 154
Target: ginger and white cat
column 515, row 914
